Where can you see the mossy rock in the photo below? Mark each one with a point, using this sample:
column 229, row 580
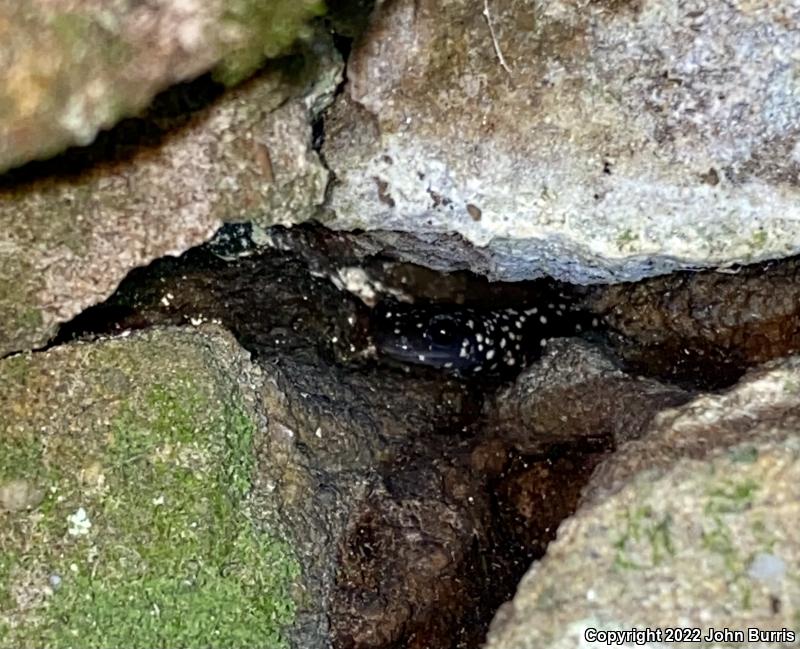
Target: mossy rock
column 107, row 61
column 125, row 471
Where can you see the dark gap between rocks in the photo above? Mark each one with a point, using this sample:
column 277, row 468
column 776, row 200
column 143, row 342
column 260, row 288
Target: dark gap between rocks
column 460, row 510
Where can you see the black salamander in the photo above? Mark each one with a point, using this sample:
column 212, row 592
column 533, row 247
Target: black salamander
column 466, row 340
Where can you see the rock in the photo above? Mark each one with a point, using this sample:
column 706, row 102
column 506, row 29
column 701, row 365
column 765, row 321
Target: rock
column 591, row 141
column 329, row 429
column 607, row 406
column 142, row 451
column 693, row 525
column 706, row 327
column 71, row 230
column 323, row 464
column 106, row 62
column 354, row 453
column 407, row 572
column 18, row 495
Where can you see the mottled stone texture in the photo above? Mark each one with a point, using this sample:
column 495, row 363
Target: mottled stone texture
column 126, row 470
column 692, row 525
column 593, row 141
column 704, row 326
column 606, row 405
column 71, row 230
column 69, row 68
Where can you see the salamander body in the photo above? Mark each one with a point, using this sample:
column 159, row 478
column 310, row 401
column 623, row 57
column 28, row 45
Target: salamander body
column 460, row 339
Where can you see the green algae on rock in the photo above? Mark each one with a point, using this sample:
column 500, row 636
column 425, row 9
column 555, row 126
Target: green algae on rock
column 693, row 524
column 273, row 27
column 106, row 61
column 129, row 464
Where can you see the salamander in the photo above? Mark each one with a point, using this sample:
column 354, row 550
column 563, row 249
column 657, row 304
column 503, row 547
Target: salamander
column 466, row 340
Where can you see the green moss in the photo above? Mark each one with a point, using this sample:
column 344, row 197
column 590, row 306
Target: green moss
column 791, row 385
column 730, row 497
column 717, row 539
column 727, row 498
column 171, row 559
column 72, row 29
column 745, row 454
column 15, row 370
column 644, row 526
column 19, row 281
column 625, row 239
column 760, row 239
column 82, row 35
column 275, row 25
column 764, row 535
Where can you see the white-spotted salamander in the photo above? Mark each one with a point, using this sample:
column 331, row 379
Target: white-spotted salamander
column 467, row 340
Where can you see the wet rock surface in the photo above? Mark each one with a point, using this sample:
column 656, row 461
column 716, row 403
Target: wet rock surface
column 429, row 511
column 329, row 432
column 594, row 142
column 607, row 406
column 695, row 521
column 703, row 329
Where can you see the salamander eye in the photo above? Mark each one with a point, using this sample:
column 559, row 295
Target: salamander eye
column 445, row 331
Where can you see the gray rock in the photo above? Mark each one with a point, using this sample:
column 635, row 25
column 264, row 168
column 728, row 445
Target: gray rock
column 592, row 141
column 105, row 62
column 605, row 404
column 67, row 240
column 693, row 525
